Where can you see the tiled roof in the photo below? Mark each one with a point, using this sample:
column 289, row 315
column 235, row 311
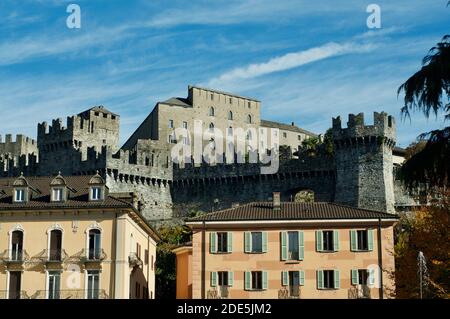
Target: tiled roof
column 78, row 195
column 291, row 211
column 286, row 127
column 178, row 101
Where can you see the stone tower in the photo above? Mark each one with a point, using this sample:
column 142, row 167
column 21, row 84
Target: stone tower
column 363, row 154
column 62, row 149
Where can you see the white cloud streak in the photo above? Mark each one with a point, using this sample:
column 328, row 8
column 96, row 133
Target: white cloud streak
column 290, row 61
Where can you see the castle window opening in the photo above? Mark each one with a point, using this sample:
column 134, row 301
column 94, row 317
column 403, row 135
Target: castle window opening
column 231, row 100
column 211, row 126
column 113, row 117
column 284, row 134
column 249, row 104
column 230, row 115
column 105, row 115
column 170, row 123
column 97, row 114
column 211, row 111
column 249, row 119
column 212, row 97
column 185, row 125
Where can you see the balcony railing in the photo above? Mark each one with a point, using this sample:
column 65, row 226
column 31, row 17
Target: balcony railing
column 52, row 256
column 291, row 292
column 93, row 255
column 221, row 292
column 14, row 256
column 70, row 294
column 4, row 294
column 292, row 255
column 359, row 292
column 134, row 260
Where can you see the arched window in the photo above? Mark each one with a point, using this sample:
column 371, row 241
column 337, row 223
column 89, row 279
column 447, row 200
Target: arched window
column 249, row 119
column 94, row 244
column 17, row 245
column 211, row 111
column 55, row 245
column 230, row 115
column 211, row 127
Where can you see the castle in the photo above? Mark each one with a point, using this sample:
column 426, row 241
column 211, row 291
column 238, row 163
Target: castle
column 359, row 173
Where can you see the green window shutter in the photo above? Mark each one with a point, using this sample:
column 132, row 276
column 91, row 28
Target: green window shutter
column 284, row 246
column 301, row 276
column 285, row 278
column 301, row 246
column 264, row 241
column 264, row 280
column 229, row 242
column 247, row 279
column 230, row 279
column 337, row 280
column 353, row 242
column 320, row 279
column 212, row 242
column 247, row 242
column 371, row 277
column 336, row 240
column 319, row 240
column 370, row 239
column 213, row 278
column 355, row 279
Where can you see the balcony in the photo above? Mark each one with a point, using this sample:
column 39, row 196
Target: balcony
column 70, row 294
column 291, row 292
column 13, row 295
column 14, row 256
column 359, row 292
column 93, row 255
column 52, row 256
column 221, row 293
column 134, row 260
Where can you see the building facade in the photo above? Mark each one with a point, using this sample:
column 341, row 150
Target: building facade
column 67, row 238
column 289, row 250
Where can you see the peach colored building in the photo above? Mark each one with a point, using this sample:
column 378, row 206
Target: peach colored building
column 68, row 238
column 289, row 250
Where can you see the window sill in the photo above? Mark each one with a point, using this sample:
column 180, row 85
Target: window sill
column 361, row 251
column 292, row 261
column 221, row 253
column 327, row 251
column 255, row 252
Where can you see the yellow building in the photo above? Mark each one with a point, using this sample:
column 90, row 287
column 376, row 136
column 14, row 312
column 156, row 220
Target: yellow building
column 288, row 250
column 67, row 238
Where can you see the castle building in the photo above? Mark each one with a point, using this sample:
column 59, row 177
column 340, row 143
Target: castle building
column 68, row 238
column 288, row 250
column 359, row 173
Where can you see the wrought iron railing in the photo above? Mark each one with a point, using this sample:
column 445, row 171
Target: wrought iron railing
column 4, row 294
column 70, row 294
column 291, row 292
column 93, row 255
column 14, row 256
column 359, row 292
column 134, row 260
column 52, row 256
column 222, row 292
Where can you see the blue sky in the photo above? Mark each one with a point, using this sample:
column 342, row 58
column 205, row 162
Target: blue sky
column 307, row 61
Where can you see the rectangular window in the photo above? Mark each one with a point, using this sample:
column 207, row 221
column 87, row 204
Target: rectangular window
column 170, row 123
column 362, row 240
column 96, row 193
column 138, row 250
column 146, row 257
column 222, row 242
column 223, row 278
column 257, row 280
column 54, row 284
column 256, row 242
column 153, row 263
column 293, row 245
column 363, row 275
column 328, row 279
column 15, row 282
column 284, row 134
column 294, row 283
column 299, row 137
column 57, row 194
column 20, row 195
column 328, row 240
column 93, row 288
column 185, row 125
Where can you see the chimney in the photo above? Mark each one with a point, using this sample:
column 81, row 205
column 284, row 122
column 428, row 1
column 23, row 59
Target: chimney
column 276, row 201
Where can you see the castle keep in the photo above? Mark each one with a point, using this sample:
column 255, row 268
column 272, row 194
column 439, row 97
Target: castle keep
column 359, row 173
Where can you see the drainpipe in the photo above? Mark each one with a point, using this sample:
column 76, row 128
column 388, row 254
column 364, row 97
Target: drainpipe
column 203, row 287
column 380, row 259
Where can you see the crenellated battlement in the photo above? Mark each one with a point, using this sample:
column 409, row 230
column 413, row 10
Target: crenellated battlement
column 356, row 132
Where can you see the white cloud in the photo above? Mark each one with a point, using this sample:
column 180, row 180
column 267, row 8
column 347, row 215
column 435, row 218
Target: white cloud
column 289, row 61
